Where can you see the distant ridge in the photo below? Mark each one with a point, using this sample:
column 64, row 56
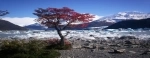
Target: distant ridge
column 6, row 25
column 134, row 24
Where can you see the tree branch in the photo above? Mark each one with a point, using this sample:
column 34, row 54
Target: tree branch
column 66, row 33
column 56, row 27
column 67, row 25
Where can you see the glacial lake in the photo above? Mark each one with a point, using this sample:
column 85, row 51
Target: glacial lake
column 74, row 33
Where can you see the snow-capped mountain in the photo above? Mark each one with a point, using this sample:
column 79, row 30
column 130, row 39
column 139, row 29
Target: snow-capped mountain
column 97, row 17
column 125, row 16
column 107, row 20
column 36, row 26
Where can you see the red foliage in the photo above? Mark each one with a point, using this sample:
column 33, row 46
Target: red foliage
column 52, row 41
column 67, row 42
column 61, row 18
column 54, row 17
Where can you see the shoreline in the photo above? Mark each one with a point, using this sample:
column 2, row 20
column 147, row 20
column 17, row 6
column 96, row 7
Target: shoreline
column 116, row 47
column 124, row 47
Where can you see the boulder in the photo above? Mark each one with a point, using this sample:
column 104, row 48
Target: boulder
column 132, row 52
column 77, row 46
column 146, row 52
column 127, row 37
column 128, row 42
column 117, row 51
column 121, row 50
column 89, row 46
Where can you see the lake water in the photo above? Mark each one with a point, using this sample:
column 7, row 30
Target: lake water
column 73, row 33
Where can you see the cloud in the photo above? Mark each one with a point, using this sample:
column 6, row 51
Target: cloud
column 21, row 21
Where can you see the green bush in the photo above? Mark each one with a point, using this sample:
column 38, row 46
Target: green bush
column 59, row 47
column 54, row 44
column 26, row 49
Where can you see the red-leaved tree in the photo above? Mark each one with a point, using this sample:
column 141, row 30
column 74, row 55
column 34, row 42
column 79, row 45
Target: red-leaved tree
column 61, row 18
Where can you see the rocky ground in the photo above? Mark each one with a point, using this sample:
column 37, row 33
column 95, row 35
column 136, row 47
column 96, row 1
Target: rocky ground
column 123, row 47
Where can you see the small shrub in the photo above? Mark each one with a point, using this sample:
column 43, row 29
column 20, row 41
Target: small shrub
column 53, row 41
column 54, row 44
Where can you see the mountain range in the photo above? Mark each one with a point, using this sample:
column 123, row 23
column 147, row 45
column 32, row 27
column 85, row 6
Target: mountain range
column 107, row 20
column 119, row 20
column 128, row 15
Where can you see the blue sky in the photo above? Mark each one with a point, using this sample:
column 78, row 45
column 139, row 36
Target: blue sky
column 25, row 8
column 21, row 10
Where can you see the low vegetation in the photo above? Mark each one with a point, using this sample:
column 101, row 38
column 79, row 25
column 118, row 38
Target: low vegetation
column 55, row 44
column 31, row 48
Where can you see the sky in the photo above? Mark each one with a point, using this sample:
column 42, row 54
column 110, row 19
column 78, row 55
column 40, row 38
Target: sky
column 21, row 10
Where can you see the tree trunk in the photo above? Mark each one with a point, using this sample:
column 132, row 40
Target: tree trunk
column 61, row 38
